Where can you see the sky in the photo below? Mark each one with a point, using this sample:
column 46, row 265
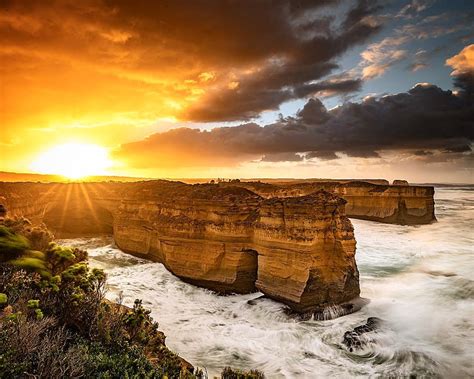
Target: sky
column 249, row 89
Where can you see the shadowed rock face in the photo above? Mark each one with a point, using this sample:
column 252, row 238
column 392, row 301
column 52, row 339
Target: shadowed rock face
column 67, row 209
column 298, row 250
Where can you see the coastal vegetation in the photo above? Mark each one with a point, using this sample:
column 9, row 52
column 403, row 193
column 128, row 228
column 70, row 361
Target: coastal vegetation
column 55, row 321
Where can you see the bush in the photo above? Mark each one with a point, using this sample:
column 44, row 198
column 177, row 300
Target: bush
column 38, row 236
column 59, row 258
column 11, row 244
column 103, row 363
column 40, row 348
column 3, row 299
column 229, row 373
column 55, row 321
column 59, row 324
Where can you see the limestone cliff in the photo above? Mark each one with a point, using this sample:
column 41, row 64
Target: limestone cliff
column 395, row 204
column 298, row 250
column 306, row 250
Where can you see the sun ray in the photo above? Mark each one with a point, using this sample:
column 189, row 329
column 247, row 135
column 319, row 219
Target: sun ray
column 85, row 195
column 45, row 195
column 66, row 203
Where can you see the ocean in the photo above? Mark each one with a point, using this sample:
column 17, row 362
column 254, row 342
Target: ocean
column 419, row 279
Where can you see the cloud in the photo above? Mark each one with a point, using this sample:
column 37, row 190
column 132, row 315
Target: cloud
column 438, row 25
column 198, row 60
column 378, row 57
column 416, row 66
column 463, row 62
column 422, row 153
column 463, row 65
column 305, row 56
column 322, row 155
column 414, row 7
column 420, row 61
column 282, row 157
column 424, row 119
column 458, row 149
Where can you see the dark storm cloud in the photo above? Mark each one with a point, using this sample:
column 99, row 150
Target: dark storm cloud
column 293, row 69
column 426, row 118
column 329, row 87
column 282, row 157
column 465, row 82
column 322, row 155
column 243, row 57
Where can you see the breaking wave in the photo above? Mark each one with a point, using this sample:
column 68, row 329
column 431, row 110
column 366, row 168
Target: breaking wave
column 419, row 280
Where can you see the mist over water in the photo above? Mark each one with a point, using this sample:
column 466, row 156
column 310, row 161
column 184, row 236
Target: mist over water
column 420, row 281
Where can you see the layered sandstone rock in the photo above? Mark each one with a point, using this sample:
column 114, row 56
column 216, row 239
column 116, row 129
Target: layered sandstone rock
column 394, row 204
column 306, row 251
column 200, row 233
column 297, row 250
column 400, row 182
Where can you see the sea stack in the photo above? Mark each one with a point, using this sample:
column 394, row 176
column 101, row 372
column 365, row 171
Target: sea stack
column 297, row 250
column 306, row 252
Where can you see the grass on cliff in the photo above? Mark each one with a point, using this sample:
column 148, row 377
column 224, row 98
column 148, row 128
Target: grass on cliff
column 56, row 323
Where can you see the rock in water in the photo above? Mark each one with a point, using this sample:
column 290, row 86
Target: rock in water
column 356, row 339
column 306, row 250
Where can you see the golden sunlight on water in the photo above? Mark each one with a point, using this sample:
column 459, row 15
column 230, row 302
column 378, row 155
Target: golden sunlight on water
column 73, row 160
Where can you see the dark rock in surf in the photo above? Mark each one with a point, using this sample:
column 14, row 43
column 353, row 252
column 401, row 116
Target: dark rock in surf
column 256, row 300
column 356, row 339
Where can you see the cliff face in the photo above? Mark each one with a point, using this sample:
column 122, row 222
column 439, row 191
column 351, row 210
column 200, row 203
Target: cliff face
column 299, row 251
column 201, row 234
column 395, row 204
column 67, row 209
column 402, row 204
column 306, row 250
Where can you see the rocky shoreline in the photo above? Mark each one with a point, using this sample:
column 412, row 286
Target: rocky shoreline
column 293, row 242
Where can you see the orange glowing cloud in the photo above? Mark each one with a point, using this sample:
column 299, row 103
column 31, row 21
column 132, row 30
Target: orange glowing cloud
column 462, row 62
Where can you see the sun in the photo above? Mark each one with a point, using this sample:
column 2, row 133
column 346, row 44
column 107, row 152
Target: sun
column 73, row 160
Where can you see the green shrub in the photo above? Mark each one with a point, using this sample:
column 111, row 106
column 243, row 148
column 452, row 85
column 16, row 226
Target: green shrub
column 59, row 258
column 59, row 323
column 31, row 264
column 38, row 236
column 130, row 362
column 3, row 299
column 11, row 244
column 32, row 304
column 229, row 373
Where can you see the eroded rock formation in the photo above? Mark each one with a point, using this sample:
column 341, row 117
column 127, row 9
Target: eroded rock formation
column 292, row 241
column 298, row 250
column 394, row 204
